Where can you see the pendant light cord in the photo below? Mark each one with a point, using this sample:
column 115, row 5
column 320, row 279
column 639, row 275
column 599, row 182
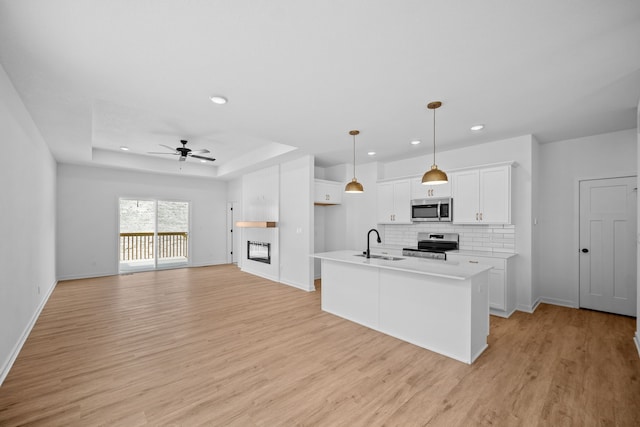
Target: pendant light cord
column 434, row 136
column 354, row 157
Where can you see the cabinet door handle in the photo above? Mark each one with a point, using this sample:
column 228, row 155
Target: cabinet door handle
column 474, row 262
column 476, row 216
column 480, row 216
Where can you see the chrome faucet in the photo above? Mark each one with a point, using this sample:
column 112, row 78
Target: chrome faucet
column 368, row 254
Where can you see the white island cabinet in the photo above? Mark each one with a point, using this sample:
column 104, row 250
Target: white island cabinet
column 439, row 305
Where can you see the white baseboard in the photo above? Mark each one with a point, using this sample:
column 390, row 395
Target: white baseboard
column 4, row 370
column 560, row 302
column 264, row 276
column 552, row 301
column 298, row 285
column 208, row 264
column 501, row 313
column 85, row 276
column 525, row 308
column 115, row 273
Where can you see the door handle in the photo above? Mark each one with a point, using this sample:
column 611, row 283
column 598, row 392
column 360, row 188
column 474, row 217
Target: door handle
column 585, row 250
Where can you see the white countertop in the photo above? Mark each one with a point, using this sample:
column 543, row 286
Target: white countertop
column 446, row 269
column 381, row 248
column 486, row 254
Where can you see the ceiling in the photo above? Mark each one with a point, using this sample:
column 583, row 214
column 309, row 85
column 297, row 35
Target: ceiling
column 98, row 75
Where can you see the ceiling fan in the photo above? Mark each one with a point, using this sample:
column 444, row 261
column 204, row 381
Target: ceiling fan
column 185, row 152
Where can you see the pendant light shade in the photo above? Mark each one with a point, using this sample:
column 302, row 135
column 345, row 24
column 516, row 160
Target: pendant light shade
column 434, row 176
column 354, row 186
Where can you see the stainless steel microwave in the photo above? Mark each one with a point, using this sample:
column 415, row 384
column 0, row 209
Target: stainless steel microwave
column 432, row 209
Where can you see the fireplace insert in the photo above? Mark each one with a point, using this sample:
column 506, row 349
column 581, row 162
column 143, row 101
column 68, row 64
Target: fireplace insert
column 259, row 251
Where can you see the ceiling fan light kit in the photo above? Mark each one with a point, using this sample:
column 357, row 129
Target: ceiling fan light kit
column 434, row 176
column 354, row 186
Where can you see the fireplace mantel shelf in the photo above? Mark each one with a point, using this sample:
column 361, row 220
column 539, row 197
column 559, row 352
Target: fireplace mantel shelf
column 256, row 224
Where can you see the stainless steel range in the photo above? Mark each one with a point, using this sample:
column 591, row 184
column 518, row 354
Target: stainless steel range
column 433, row 245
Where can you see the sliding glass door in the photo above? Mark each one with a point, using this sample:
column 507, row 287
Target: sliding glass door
column 173, row 233
column 153, row 234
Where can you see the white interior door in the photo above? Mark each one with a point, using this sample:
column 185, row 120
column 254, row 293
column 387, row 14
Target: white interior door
column 607, row 245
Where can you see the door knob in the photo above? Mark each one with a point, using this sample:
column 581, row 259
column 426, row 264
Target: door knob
column 585, row 250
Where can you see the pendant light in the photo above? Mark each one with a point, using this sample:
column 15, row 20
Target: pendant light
column 354, row 186
column 434, row 176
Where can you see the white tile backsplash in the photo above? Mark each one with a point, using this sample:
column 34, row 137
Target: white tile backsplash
column 488, row 238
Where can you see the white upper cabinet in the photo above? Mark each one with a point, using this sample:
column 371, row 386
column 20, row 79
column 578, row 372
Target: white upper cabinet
column 394, row 202
column 328, row 192
column 482, row 196
column 419, row 191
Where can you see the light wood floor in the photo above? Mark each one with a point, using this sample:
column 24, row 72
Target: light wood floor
column 215, row 346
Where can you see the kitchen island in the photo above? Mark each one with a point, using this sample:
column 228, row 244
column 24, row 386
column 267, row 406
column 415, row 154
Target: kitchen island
column 442, row 306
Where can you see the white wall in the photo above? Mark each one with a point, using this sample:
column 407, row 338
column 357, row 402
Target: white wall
column 345, row 226
column 261, row 202
column 361, row 208
column 335, row 217
column 637, row 337
column 87, row 225
column 563, row 164
column 281, row 193
column 261, row 195
column 296, row 223
column 27, row 224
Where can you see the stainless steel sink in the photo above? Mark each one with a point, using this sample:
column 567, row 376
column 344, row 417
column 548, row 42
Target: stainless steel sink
column 385, row 257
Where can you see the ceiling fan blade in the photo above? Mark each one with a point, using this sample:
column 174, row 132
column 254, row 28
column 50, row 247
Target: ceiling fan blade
column 203, row 151
column 166, row 146
column 156, row 152
column 202, row 157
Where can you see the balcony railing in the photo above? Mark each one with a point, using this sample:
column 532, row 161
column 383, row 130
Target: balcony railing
column 140, row 246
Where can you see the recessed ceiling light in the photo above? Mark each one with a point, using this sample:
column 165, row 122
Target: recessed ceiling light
column 123, row 148
column 216, row 99
column 415, row 142
column 476, row 128
column 203, row 161
column 371, row 153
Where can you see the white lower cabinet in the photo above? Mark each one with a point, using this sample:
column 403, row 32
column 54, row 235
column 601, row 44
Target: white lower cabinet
column 502, row 287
